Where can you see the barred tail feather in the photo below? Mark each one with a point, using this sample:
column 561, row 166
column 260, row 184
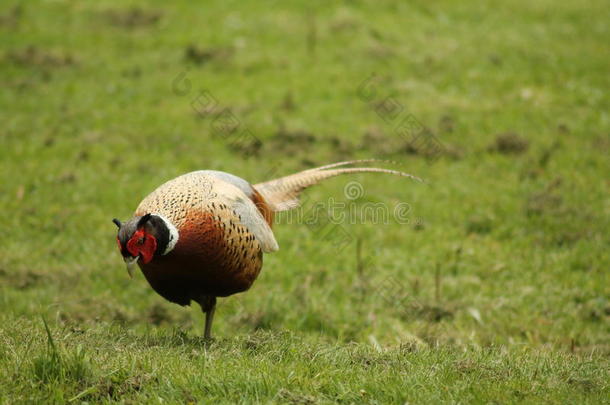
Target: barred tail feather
column 282, row 194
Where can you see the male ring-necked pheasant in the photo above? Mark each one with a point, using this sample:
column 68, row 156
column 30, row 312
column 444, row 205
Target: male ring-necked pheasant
column 202, row 235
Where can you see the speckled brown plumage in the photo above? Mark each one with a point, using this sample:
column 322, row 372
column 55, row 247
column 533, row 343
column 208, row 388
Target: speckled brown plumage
column 216, row 253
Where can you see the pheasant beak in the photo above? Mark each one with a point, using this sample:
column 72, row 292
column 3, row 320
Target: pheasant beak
column 131, row 264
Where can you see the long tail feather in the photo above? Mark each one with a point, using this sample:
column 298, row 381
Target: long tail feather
column 349, row 162
column 283, row 193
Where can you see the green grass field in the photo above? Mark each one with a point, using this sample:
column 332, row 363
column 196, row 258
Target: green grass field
column 491, row 288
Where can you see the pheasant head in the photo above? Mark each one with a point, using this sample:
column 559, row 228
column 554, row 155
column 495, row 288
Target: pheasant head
column 142, row 238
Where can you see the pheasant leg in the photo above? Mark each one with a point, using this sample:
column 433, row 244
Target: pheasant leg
column 209, row 317
column 208, row 306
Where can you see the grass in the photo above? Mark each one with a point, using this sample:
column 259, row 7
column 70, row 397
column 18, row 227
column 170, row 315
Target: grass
column 494, row 288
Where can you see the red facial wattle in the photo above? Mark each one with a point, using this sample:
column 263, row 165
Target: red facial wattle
column 143, row 245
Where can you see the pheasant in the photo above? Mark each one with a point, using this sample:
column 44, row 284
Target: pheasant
column 202, row 235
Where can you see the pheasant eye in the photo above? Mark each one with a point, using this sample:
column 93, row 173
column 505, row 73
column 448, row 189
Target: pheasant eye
column 141, row 240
